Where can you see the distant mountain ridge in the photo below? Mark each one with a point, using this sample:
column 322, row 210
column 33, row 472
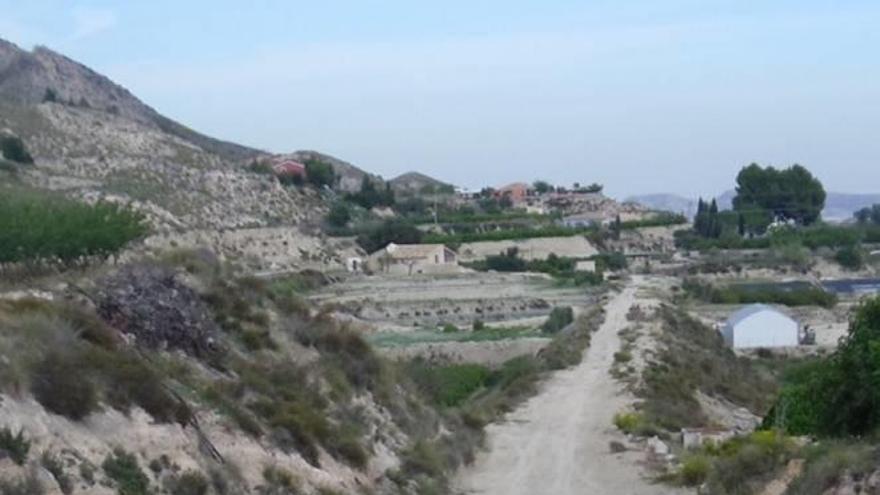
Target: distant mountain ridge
column 838, row 206
column 414, row 182
column 30, row 78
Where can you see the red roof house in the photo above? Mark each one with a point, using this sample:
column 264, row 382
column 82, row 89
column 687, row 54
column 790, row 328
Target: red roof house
column 290, row 168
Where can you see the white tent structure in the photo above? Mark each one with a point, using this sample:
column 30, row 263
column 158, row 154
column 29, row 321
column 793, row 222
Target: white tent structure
column 759, row 325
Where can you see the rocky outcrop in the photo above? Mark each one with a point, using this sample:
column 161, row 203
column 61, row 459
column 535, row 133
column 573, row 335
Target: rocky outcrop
column 150, row 304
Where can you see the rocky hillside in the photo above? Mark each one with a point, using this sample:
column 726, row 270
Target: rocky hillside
column 415, row 182
column 181, row 375
column 93, row 139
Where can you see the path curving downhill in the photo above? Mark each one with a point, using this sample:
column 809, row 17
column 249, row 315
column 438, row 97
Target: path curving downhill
column 558, row 442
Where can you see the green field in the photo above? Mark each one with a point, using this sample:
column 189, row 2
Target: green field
column 427, row 336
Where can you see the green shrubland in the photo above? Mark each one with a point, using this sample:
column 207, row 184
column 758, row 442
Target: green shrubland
column 39, row 226
column 766, row 294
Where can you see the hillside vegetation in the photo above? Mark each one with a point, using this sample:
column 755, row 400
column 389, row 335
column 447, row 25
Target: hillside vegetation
column 43, row 227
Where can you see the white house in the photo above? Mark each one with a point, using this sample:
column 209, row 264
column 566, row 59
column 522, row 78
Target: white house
column 759, row 325
column 414, row 258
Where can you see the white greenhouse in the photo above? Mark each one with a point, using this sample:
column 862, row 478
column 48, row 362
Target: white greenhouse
column 759, row 325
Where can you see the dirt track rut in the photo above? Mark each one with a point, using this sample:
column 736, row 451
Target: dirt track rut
column 558, row 442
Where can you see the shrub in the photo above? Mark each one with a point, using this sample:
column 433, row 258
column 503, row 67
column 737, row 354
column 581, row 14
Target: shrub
column 478, row 325
column 508, row 261
column 320, row 173
column 15, row 446
column 450, row 328
column 62, row 387
column 339, row 215
column 190, row 483
column 850, row 257
column 448, row 385
column 559, row 318
column 423, row 458
column 12, row 148
column 611, row 260
column 56, row 467
column 694, row 469
column 622, row 356
column 122, row 467
column 277, row 477
column 629, row 422
column 129, row 380
column 261, row 167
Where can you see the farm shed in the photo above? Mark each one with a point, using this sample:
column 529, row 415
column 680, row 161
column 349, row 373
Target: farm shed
column 759, row 325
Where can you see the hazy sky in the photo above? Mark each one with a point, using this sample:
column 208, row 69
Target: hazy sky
column 643, row 96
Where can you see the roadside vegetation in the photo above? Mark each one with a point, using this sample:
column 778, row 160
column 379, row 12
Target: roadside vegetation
column 238, row 362
column 825, row 417
column 693, row 357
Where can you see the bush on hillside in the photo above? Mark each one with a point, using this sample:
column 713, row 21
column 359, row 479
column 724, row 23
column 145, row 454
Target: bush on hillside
column 339, row 215
column 320, row 173
column 13, row 149
column 44, row 226
column 850, row 257
column 16, row 446
column 559, row 318
column 122, row 467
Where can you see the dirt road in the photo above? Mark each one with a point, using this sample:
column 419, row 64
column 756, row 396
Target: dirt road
column 557, row 442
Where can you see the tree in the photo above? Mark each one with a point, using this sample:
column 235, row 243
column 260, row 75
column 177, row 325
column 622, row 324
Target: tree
column 788, row 194
column 389, row 231
column 339, row 215
column 542, row 187
column 320, row 173
column 714, row 227
column 868, row 214
column 370, row 196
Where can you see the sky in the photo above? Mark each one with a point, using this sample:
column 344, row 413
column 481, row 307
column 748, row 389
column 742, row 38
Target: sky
column 642, row 96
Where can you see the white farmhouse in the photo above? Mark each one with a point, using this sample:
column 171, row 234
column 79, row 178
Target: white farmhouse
column 759, row 325
column 414, row 258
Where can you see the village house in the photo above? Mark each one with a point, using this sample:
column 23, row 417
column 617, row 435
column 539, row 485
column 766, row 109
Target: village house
column 289, row 168
column 517, row 192
column 414, row 258
column 760, row 326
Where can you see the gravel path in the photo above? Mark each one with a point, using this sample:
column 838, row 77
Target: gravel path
column 557, row 442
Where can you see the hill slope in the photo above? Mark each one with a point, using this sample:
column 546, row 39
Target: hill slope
column 30, row 78
column 93, row 139
column 415, row 182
